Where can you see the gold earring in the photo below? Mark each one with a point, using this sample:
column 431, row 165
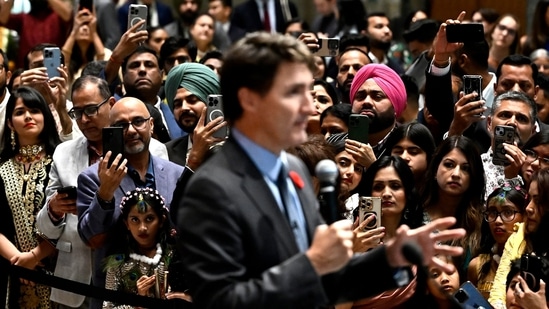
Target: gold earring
column 12, row 136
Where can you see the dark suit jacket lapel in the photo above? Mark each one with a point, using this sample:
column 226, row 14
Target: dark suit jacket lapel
column 258, row 191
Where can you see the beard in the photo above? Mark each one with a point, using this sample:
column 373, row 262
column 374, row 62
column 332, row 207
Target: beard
column 188, row 125
column 381, row 45
column 188, row 17
column 135, row 149
column 382, row 121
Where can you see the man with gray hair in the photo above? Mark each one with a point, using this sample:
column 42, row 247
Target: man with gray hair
column 517, row 110
column 187, row 88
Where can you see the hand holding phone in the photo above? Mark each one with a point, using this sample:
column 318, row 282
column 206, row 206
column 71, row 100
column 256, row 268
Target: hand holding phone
column 214, row 109
column 530, row 270
column 359, row 126
column 464, row 32
column 137, row 13
column 327, row 47
column 113, row 140
column 70, row 191
column 502, row 134
column 52, row 61
column 369, row 206
column 468, row 296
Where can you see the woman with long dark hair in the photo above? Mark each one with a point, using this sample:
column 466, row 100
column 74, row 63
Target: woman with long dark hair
column 454, row 186
column 25, row 162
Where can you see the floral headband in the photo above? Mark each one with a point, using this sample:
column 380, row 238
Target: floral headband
column 138, row 194
column 507, row 187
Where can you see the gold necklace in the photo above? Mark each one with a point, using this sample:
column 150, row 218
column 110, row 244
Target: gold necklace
column 29, row 153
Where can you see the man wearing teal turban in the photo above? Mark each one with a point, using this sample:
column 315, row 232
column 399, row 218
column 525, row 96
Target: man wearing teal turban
column 187, row 88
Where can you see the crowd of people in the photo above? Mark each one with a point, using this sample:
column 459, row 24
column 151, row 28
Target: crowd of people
column 224, row 211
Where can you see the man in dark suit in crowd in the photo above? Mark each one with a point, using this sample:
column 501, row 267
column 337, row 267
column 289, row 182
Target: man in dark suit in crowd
column 250, row 15
column 251, row 234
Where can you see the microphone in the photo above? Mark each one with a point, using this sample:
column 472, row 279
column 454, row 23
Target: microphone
column 412, row 252
column 327, row 172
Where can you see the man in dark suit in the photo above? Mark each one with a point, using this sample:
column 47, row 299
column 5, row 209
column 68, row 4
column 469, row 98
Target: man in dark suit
column 222, row 10
column 159, row 14
column 250, row 15
column 251, row 235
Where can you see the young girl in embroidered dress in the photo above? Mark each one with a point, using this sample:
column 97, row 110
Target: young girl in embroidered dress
column 505, row 208
column 142, row 267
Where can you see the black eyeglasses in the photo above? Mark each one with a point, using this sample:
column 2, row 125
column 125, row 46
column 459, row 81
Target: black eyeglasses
column 90, row 111
column 532, row 156
column 507, row 215
column 138, row 123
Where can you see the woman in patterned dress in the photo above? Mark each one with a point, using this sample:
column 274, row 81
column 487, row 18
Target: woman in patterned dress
column 25, row 161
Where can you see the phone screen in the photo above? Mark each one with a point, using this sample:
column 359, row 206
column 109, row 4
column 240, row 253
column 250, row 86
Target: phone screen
column 113, row 140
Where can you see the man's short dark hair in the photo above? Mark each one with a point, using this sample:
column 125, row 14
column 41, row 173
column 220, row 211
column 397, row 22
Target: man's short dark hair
column 354, row 39
column 101, row 84
column 517, row 60
column 477, row 52
column 172, row 44
column 212, row 54
column 258, row 55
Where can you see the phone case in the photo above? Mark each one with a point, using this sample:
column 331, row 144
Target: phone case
column 113, row 140
column 368, row 206
column 85, row 4
column 472, row 83
column 530, row 270
column 502, row 134
column 469, row 32
column 468, row 296
column 136, row 13
column 327, row 47
column 214, row 110
column 359, row 126
column 52, row 60
column 71, row 191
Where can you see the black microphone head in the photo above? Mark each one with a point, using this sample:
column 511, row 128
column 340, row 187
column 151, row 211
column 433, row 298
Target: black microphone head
column 327, row 171
column 412, row 252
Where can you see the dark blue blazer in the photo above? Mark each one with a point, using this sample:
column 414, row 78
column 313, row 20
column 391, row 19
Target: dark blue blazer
column 165, row 16
column 246, row 16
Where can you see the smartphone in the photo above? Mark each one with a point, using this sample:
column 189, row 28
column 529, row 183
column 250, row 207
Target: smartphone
column 369, row 206
column 359, row 126
column 327, row 47
column 472, row 83
column 85, row 4
column 70, row 190
column 469, row 32
column 502, row 134
column 136, row 13
column 113, row 140
column 530, row 270
column 214, row 109
column 468, row 296
column 52, row 60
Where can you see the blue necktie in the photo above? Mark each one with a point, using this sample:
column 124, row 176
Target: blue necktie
column 294, row 215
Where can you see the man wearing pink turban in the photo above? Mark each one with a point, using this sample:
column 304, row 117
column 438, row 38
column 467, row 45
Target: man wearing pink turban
column 379, row 93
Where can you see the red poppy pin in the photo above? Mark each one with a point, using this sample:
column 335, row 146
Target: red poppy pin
column 296, row 179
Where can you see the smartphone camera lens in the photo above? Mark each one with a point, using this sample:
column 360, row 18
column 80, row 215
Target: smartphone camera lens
column 461, row 296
